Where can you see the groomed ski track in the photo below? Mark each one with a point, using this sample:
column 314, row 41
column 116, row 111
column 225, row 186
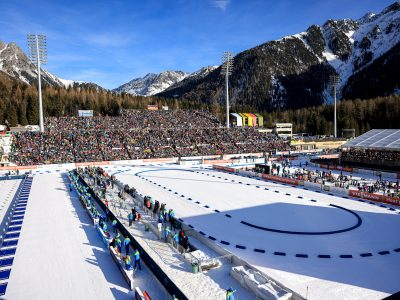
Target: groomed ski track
column 59, row 254
column 333, row 266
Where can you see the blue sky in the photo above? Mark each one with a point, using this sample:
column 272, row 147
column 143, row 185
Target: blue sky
column 111, row 42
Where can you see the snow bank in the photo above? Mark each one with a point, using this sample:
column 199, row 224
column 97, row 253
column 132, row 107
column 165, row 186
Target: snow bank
column 260, row 285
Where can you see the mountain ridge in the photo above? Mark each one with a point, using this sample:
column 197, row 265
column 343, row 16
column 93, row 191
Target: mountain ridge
column 16, row 64
column 293, row 72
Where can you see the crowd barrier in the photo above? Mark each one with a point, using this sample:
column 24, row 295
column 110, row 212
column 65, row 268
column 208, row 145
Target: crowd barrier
column 169, row 285
column 208, row 159
column 280, row 179
column 223, row 168
column 374, row 197
column 337, row 168
column 316, row 186
column 358, row 170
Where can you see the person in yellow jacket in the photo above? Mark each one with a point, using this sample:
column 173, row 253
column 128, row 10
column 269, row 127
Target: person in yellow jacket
column 229, row 294
column 128, row 264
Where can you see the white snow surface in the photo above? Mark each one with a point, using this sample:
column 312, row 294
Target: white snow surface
column 59, row 253
column 335, row 278
column 8, row 188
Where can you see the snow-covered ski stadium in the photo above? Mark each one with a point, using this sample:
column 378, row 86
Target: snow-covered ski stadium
column 278, row 226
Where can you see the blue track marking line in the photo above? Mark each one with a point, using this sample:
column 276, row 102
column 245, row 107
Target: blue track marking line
column 359, row 222
column 11, row 235
column 10, row 243
column 6, row 262
column 7, row 252
column 3, row 288
column 16, row 223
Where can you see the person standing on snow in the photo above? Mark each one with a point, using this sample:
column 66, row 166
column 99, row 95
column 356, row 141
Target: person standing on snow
column 130, row 219
column 134, row 214
column 128, row 264
column 160, row 218
column 137, row 260
column 167, row 231
column 107, row 214
column 229, row 294
column 119, row 245
column 127, row 241
column 171, row 218
column 176, row 239
column 114, row 226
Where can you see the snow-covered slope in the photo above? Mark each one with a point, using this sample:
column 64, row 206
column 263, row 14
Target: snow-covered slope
column 367, row 39
column 151, row 84
column 193, row 78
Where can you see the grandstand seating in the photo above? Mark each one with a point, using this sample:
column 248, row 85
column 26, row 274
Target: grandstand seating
column 136, row 135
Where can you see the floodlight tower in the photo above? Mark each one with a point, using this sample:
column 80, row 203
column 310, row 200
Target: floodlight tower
column 227, row 66
column 38, row 55
column 333, row 82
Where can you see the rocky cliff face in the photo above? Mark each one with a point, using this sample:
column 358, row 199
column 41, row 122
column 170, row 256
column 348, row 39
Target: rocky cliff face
column 294, row 71
column 16, row 64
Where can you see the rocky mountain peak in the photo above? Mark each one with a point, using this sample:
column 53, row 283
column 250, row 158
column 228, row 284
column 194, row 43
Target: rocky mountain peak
column 294, row 71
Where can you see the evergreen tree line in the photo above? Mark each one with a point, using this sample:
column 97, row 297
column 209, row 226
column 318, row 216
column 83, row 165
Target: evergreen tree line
column 19, row 105
column 19, row 102
column 361, row 115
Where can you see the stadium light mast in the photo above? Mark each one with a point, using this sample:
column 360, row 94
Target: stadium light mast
column 227, row 66
column 38, row 55
column 333, row 82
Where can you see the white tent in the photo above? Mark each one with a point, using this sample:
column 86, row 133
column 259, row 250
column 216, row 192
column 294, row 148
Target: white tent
column 238, row 119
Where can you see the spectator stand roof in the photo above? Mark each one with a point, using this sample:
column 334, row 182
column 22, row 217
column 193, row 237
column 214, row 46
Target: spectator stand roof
column 379, row 139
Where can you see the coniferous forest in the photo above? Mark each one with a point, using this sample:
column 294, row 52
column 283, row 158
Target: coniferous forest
column 19, row 105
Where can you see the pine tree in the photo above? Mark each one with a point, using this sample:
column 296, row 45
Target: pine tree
column 32, row 110
column 12, row 116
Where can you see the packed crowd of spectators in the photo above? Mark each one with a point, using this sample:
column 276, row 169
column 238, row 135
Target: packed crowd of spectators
column 381, row 186
column 138, row 134
column 368, row 155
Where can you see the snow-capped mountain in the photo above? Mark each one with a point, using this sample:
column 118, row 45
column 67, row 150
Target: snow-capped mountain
column 151, row 84
column 192, row 79
column 16, row 64
column 294, row 71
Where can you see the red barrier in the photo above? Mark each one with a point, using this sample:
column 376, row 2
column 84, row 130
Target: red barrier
column 14, row 168
column 218, row 161
column 280, row 179
column 146, row 160
column 338, row 168
column 95, row 163
column 374, row 197
column 222, row 168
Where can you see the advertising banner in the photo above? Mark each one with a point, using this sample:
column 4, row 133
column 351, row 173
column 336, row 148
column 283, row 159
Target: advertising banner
column 223, row 168
column 85, row 113
column 374, row 197
column 280, row 179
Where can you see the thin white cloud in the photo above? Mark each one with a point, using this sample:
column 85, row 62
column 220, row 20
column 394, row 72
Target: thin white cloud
column 221, row 4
